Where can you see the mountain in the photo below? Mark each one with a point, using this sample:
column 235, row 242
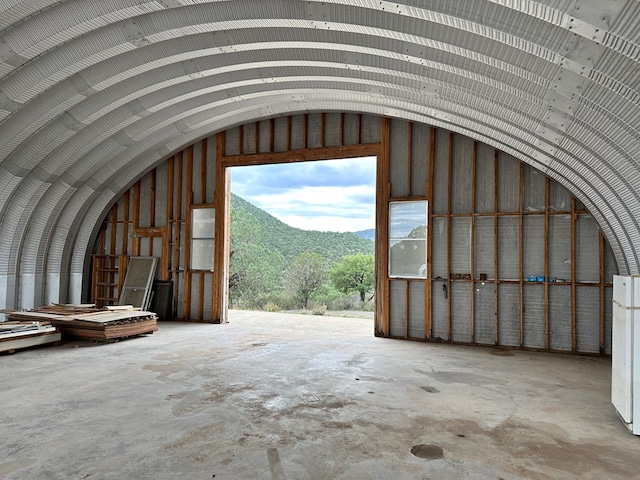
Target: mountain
column 367, row 234
column 291, row 241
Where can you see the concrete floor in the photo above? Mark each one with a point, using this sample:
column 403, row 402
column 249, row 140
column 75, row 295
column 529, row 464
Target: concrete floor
column 273, row 396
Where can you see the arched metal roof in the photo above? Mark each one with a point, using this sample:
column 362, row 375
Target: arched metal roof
column 93, row 94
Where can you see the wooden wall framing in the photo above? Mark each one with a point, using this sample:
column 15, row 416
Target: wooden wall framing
column 464, row 183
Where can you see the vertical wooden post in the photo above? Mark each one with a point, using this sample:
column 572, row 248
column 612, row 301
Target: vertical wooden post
column 165, row 259
column 341, row 141
column 288, row 142
column 602, row 291
column 305, row 130
column 241, row 139
column 136, row 218
column 521, row 250
column 472, row 242
column 256, row 138
column 125, row 225
column 546, row 263
column 382, row 232
column 272, row 135
column 449, row 283
column 409, row 155
column 152, row 207
column 574, row 218
column 496, row 264
column 114, row 229
column 358, row 129
column 186, row 294
column 323, row 128
column 221, row 240
column 428, row 326
column 177, row 233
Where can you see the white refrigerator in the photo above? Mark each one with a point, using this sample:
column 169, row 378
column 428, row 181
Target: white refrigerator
column 625, row 350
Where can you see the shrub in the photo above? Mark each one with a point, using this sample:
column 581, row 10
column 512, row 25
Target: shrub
column 271, row 307
column 319, row 309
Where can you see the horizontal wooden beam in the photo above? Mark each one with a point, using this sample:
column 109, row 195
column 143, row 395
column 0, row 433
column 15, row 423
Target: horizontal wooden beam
column 323, row 153
column 150, row 232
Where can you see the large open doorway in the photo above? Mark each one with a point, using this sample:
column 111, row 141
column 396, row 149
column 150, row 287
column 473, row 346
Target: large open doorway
column 302, row 237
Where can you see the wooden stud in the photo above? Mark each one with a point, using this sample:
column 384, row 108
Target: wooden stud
column 341, row 141
column 305, row 131
column 382, row 232
column 472, row 242
column 272, row 138
column 186, row 294
column 221, row 240
column 136, row 218
column 428, row 327
column 496, row 264
column 358, row 129
column 323, row 128
column 203, row 170
column 449, row 184
column 521, row 250
column 546, row 263
column 177, row 233
column 114, row 229
column 288, row 142
column 241, row 139
column 409, row 155
column 125, row 224
column 573, row 274
column 602, row 291
column 152, row 206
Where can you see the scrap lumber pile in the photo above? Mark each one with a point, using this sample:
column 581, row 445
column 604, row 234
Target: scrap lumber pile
column 93, row 323
column 15, row 335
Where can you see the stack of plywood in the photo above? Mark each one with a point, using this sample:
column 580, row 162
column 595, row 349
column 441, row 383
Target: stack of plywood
column 15, row 335
column 93, row 323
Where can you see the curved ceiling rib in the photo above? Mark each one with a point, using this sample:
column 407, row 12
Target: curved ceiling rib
column 92, row 96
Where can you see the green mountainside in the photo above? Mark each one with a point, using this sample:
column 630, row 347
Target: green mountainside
column 291, row 241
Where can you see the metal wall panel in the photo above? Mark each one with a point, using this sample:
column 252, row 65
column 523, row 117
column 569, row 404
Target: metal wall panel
column 399, row 158
column 461, row 312
column 351, row 133
column 397, row 308
column 416, row 310
column 439, row 310
column 314, row 139
column 484, row 251
column 462, row 174
column 208, row 291
column 195, row 288
column 560, row 317
column 145, row 195
column 508, row 248
column 440, row 239
column 534, row 190
column 533, row 318
column 280, row 134
column 297, row 132
column 420, row 158
column 484, row 314
column 509, row 314
column 231, row 141
column 559, row 198
column 587, row 319
column 212, row 147
column 533, row 239
column 332, row 129
column 560, row 247
column 160, row 219
column 264, row 130
column 370, row 129
column 508, row 183
column 440, row 203
column 461, row 245
column 248, row 138
column 485, row 178
column 587, row 244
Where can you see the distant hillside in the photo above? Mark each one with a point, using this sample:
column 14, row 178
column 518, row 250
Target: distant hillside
column 367, row 234
column 291, row 242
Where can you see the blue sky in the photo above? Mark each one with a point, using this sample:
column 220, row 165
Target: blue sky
column 332, row 195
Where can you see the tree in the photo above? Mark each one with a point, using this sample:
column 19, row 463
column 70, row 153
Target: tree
column 305, row 276
column 253, row 269
column 356, row 273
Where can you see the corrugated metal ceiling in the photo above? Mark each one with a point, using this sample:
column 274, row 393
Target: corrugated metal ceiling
column 92, row 93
